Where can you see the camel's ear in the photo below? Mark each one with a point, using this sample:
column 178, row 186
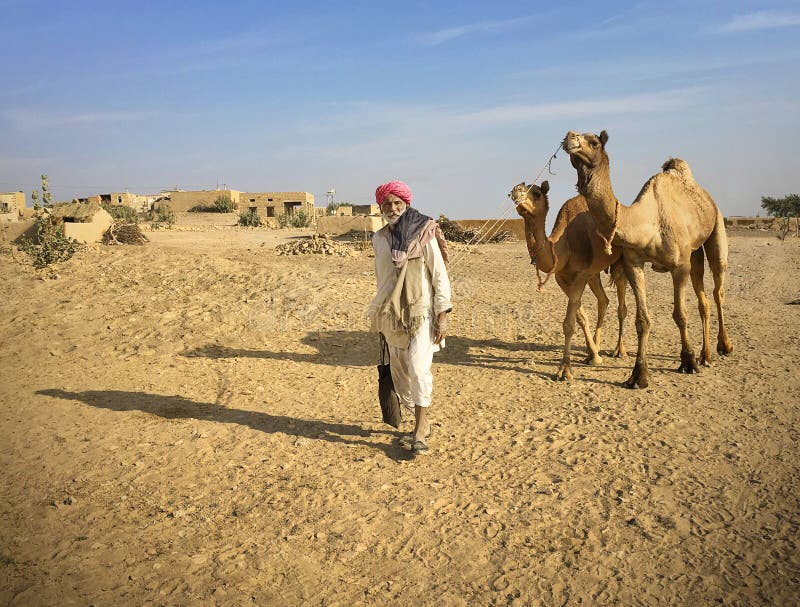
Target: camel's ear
column 545, row 187
column 603, row 138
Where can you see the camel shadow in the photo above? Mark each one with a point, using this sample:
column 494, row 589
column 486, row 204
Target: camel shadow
column 178, row 407
column 361, row 349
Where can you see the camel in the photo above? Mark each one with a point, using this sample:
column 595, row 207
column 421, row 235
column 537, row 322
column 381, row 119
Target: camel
column 670, row 224
column 576, row 255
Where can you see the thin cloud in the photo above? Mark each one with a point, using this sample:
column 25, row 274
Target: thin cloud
column 397, row 131
column 632, row 69
column 40, row 119
column 451, row 33
column 761, row 20
column 526, row 113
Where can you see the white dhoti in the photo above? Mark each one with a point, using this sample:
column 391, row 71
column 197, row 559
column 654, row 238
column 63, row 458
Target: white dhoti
column 411, row 368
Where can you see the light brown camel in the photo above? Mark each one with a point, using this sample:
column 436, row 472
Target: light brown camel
column 575, row 253
column 671, row 222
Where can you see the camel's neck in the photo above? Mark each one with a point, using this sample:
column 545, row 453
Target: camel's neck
column 594, row 183
column 538, row 244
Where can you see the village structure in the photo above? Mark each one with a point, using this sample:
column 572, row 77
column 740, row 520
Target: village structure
column 86, row 220
column 12, row 206
column 266, row 204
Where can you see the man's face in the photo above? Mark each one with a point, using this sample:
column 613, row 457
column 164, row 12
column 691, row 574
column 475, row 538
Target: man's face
column 392, row 208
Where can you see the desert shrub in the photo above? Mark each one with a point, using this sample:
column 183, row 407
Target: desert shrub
column 162, row 214
column 250, row 219
column 223, row 204
column 122, row 212
column 52, row 245
column 166, row 215
column 300, row 219
column 283, row 221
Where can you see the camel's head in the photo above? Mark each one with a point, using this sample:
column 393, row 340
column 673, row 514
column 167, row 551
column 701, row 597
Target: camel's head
column 586, row 149
column 531, row 200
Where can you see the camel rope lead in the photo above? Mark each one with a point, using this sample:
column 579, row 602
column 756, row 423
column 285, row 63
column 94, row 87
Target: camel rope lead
column 481, row 233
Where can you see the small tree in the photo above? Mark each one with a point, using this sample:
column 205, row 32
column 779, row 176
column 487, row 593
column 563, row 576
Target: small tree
column 783, row 208
column 46, row 198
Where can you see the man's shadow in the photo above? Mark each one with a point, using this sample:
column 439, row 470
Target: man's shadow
column 361, row 349
column 178, row 407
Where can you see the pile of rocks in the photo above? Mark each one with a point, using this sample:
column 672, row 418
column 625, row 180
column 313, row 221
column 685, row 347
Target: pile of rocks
column 315, row 245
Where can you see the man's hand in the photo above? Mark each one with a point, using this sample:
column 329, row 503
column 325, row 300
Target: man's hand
column 440, row 331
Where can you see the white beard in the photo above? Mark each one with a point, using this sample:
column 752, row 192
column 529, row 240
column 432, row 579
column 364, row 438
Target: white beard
column 393, row 219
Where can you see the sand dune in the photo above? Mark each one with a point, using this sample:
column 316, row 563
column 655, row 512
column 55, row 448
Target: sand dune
column 194, row 422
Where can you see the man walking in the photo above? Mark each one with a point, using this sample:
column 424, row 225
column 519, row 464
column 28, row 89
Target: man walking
column 413, row 299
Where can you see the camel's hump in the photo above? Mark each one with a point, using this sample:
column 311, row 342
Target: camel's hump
column 676, row 165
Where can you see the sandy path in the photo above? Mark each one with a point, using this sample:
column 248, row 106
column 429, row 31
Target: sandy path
column 193, row 423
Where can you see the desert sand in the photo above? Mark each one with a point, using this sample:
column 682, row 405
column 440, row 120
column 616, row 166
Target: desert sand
column 194, row 422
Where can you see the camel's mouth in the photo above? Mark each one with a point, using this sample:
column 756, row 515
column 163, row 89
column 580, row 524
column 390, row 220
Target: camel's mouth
column 571, row 145
column 517, row 195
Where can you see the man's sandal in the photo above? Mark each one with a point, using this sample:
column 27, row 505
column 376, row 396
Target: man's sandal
column 419, row 447
column 407, row 440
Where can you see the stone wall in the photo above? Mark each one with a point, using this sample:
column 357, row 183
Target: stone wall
column 90, row 231
column 737, row 221
column 275, row 204
column 337, row 226
column 10, row 232
column 366, row 209
column 185, row 201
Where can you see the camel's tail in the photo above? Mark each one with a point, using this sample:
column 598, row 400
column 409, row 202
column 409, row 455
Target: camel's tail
column 678, row 166
column 616, row 272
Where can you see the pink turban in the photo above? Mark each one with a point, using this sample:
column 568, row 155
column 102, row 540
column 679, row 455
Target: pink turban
column 398, row 188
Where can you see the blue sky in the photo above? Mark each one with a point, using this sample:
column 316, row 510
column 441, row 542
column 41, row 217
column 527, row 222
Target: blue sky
column 461, row 100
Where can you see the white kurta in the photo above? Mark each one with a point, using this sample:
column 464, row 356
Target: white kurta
column 411, row 366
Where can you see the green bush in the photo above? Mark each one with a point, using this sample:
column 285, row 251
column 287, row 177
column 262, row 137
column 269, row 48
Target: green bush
column 52, row 245
column 300, row 219
column 223, row 204
column 250, row 219
column 122, row 212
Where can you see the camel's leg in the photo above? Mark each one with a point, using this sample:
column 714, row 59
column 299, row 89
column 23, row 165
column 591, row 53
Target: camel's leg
column 621, row 283
column 717, row 253
column 698, row 260
column 593, row 349
column 573, row 304
column 680, row 276
column 639, row 375
column 583, row 322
